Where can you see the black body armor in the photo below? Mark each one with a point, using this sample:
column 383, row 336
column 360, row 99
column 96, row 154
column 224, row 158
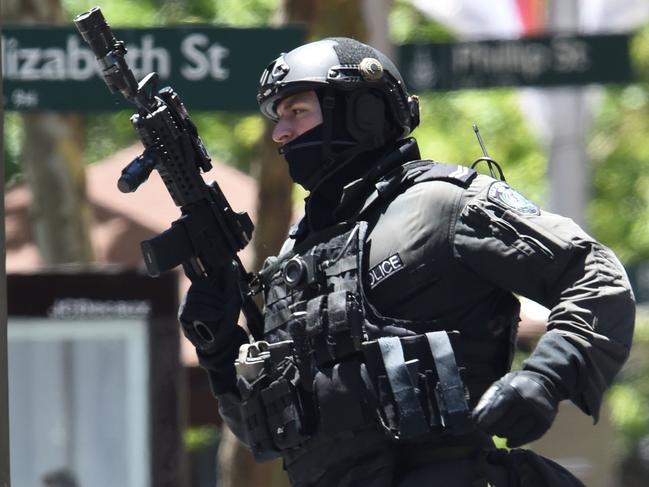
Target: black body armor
column 333, row 364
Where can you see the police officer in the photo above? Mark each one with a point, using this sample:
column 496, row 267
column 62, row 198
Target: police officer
column 390, row 313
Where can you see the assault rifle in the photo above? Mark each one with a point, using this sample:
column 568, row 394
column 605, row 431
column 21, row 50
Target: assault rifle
column 209, row 233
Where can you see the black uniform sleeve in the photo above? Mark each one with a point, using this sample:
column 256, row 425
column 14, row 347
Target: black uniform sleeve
column 508, row 241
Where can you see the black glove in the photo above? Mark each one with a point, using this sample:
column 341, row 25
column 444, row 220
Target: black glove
column 209, row 313
column 521, row 407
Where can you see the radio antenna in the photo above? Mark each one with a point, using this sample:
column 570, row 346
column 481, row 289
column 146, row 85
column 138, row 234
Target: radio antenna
column 480, row 141
column 485, row 157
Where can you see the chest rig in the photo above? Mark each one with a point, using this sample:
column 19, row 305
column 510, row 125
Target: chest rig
column 330, row 364
column 315, row 299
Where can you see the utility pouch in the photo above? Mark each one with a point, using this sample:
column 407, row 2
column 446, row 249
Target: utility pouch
column 344, row 331
column 272, row 408
column 341, row 397
column 285, row 409
column 334, row 325
column 250, row 366
column 257, row 430
column 418, row 385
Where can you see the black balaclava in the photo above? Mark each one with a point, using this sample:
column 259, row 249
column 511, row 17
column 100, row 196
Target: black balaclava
column 324, row 173
column 305, row 154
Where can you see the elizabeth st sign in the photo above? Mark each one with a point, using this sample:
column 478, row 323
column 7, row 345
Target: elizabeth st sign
column 215, row 68
column 212, row 68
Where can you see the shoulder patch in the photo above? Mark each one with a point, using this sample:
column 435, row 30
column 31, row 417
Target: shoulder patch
column 503, row 195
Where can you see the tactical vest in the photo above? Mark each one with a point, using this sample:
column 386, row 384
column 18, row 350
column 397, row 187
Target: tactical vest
column 332, row 363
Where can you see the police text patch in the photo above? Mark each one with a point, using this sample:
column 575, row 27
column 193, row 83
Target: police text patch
column 501, row 194
column 385, row 269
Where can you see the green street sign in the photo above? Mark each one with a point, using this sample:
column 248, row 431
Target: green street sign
column 211, row 68
column 544, row 61
column 217, row 68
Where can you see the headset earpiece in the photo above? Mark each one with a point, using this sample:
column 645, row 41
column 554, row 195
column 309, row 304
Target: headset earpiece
column 365, row 114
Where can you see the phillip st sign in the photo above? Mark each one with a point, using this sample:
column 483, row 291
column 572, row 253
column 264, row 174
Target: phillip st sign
column 543, row 61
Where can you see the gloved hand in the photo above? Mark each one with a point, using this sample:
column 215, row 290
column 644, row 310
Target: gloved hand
column 209, row 313
column 521, row 407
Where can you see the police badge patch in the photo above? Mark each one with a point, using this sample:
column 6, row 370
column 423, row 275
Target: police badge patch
column 501, row 194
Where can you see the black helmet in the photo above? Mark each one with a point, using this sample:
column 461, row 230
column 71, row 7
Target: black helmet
column 338, row 64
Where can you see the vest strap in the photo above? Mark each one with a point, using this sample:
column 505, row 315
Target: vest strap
column 451, row 399
column 411, row 416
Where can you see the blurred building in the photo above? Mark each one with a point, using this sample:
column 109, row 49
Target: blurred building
column 121, row 221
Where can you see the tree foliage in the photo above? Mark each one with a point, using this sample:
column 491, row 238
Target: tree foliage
column 619, row 151
column 11, row 147
column 407, row 24
column 620, row 211
column 446, row 134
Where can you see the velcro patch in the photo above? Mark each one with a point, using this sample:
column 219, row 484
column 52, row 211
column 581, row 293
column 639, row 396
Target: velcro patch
column 385, row 269
column 461, row 175
column 501, row 194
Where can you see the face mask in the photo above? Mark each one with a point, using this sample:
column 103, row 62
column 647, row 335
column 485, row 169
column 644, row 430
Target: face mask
column 304, row 157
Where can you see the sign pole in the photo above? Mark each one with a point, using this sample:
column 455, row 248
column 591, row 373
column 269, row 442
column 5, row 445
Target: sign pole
column 4, row 399
column 571, row 112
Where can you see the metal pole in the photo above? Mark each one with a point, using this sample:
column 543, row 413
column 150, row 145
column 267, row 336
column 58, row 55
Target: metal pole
column 568, row 165
column 4, row 375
